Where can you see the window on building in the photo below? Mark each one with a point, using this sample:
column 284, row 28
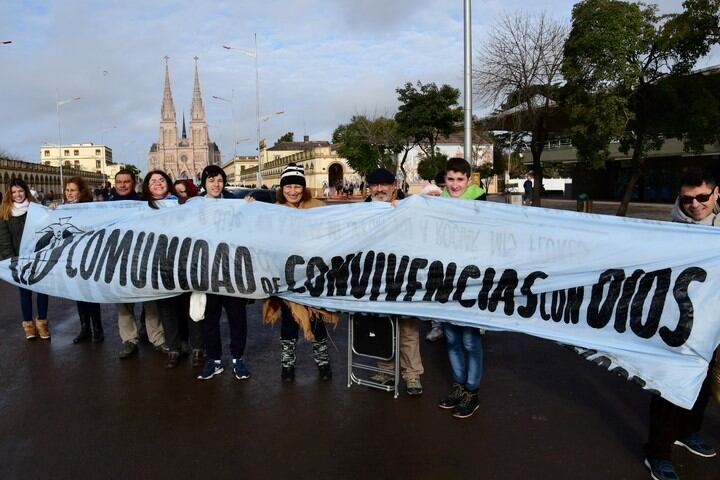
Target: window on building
column 97, row 164
column 77, row 163
column 47, row 163
column 76, row 152
column 97, row 151
column 47, row 153
column 67, row 152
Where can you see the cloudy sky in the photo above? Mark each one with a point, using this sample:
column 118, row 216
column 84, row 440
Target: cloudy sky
column 321, row 61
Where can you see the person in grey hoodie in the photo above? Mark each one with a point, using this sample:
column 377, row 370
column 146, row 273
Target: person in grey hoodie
column 669, row 424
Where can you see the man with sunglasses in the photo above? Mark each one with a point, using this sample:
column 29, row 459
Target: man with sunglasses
column 669, row 424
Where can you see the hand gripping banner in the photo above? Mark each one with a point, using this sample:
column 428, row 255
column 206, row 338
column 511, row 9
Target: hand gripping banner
column 637, row 297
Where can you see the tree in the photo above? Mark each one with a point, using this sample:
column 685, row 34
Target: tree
column 623, row 62
column 288, row 137
column 426, row 112
column 518, row 68
column 368, row 144
column 429, row 167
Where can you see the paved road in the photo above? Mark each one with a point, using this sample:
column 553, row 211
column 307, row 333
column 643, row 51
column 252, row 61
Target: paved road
column 76, row 411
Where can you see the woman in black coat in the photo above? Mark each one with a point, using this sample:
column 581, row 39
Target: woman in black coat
column 13, row 212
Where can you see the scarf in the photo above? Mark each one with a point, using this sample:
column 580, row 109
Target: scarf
column 20, row 209
column 470, row 193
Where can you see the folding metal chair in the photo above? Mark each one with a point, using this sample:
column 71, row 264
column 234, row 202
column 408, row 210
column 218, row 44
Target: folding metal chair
column 373, row 337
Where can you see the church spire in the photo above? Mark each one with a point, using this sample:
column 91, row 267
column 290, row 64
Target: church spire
column 167, row 111
column 197, row 112
column 184, row 133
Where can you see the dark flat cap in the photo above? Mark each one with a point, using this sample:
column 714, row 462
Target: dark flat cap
column 380, row 175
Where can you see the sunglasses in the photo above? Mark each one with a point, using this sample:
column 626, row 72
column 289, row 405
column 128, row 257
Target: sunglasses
column 701, row 198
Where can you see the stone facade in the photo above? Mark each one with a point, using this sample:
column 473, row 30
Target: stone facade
column 184, row 156
column 43, row 177
column 323, row 166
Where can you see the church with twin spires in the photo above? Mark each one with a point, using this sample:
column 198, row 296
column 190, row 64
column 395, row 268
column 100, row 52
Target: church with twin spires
column 183, row 156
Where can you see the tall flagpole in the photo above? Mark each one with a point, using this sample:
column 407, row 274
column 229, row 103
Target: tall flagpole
column 468, row 83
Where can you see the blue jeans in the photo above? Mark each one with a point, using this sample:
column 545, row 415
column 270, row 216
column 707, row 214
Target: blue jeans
column 465, row 352
column 27, row 308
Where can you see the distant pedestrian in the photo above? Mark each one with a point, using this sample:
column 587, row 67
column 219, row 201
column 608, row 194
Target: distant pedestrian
column 13, row 212
column 527, row 189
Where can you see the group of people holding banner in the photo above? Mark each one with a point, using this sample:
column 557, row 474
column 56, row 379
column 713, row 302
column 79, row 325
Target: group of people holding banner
column 170, row 328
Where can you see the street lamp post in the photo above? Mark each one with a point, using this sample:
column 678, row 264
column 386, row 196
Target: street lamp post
column 231, row 101
column 59, row 104
column 257, row 100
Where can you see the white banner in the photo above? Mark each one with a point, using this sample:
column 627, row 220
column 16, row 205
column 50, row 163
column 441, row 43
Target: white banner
column 639, row 297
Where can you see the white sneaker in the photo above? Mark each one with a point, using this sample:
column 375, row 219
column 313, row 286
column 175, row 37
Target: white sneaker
column 435, row 334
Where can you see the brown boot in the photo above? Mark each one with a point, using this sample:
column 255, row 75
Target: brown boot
column 42, row 328
column 30, row 330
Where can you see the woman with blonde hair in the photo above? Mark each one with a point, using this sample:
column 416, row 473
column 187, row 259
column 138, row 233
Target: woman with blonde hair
column 13, row 212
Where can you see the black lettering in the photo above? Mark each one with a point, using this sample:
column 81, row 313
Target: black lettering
column 677, row 337
column 661, row 280
column 70, row 271
column 543, row 313
column 244, row 274
column 377, row 276
column 359, row 280
column 558, row 305
column 199, row 266
column 470, row 271
column 440, row 281
column 574, row 302
column 183, row 258
column 138, row 267
column 528, row 310
column 412, row 284
column 290, row 264
column 597, row 316
column 394, row 278
column 221, row 268
column 317, row 288
column 85, row 270
column 505, row 291
column 487, row 283
column 623, row 307
column 112, row 254
column 337, row 276
column 163, row 262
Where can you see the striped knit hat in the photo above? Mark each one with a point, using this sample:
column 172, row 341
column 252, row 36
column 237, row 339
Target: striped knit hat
column 292, row 174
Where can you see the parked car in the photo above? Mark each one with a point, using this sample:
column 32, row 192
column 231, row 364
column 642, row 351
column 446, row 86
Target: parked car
column 266, row 195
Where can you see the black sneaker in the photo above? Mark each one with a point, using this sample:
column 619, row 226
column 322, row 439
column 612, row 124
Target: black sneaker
column 162, row 348
column 468, row 404
column 661, row 469
column 695, row 444
column 453, row 397
column 212, row 368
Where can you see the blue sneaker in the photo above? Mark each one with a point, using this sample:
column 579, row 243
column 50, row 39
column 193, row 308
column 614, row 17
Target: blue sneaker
column 240, row 370
column 695, row 444
column 211, row 368
column 661, row 469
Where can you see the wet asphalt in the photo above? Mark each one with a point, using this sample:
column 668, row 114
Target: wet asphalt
column 77, row 411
